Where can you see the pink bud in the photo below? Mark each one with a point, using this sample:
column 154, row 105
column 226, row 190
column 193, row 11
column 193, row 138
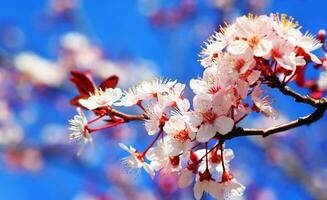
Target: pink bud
column 322, row 35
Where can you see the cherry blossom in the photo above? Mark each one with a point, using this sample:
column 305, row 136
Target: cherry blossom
column 79, row 129
column 263, row 104
column 161, row 159
column 229, row 187
column 212, row 113
column 204, row 183
column 135, row 160
column 101, row 98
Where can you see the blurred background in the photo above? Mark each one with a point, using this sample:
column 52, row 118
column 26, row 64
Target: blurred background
column 41, row 41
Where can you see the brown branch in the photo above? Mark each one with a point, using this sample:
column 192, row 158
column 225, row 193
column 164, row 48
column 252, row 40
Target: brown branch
column 297, row 97
column 127, row 117
column 319, row 104
column 307, row 120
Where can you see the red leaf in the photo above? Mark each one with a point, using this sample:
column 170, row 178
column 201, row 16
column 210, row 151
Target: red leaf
column 110, row 82
column 75, row 100
column 83, row 82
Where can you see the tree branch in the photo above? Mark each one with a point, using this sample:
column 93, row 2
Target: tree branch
column 297, row 97
column 319, row 104
column 128, row 117
column 307, row 120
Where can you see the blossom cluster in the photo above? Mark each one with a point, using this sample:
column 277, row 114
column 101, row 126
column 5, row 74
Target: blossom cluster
column 188, row 140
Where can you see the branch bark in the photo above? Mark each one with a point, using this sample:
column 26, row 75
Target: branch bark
column 127, row 117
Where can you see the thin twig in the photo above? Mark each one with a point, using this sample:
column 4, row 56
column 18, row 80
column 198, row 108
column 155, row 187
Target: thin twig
column 128, row 117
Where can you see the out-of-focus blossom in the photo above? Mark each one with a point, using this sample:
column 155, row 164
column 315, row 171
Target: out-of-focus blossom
column 79, row 130
column 322, row 81
column 39, row 70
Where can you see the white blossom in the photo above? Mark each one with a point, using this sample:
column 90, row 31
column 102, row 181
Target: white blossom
column 102, row 98
column 79, row 130
column 135, row 161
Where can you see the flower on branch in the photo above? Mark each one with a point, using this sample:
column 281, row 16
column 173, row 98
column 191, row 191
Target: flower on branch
column 240, row 61
column 79, row 130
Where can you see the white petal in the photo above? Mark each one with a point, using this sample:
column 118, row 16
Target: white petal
column 185, row 178
column 123, row 146
column 314, row 58
column 205, row 133
column 152, row 126
column 242, row 88
column 198, row 86
column 202, row 102
column 228, row 154
column 214, row 189
column 224, row 124
column 263, row 48
column 89, row 103
column 254, row 76
column 149, row 170
column 236, row 189
column 238, row 47
column 198, row 190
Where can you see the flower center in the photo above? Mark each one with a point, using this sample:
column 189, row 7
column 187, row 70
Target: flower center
column 214, row 89
column 174, row 160
column 254, row 41
column 139, row 156
column 275, row 53
column 205, row 176
column 215, row 158
column 209, row 117
column 227, row 176
column 182, row 136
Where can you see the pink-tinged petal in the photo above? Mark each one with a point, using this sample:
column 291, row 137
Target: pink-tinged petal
column 123, row 146
column 183, row 105
column 185, row 178
column 224, row 124
column 149, row 170
column 242, row 88
column 238, row 47
column 286, row 63
column 235, row 188
column 202, row 103
column 205, row 133
column 254, row 76
column 198, row 86
column 263, row 48
column 222, row 103
column 198, row 189
column 228, row 154
column 89, row 103
column 215, row 189
column 152, row 126
column 299, row 61
column 314, row 58
column 194, row 119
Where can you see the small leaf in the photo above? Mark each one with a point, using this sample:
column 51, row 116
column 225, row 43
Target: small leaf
column 110, row 82
column 83, row 82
